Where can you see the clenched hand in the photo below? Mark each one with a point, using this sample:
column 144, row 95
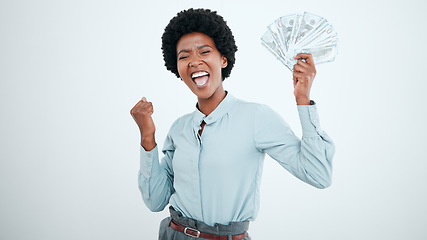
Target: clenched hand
column 141, row 113
column 303, row 76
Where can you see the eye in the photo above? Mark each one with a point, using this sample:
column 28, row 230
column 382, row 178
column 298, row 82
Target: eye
column 182, row 57
column 205, row 52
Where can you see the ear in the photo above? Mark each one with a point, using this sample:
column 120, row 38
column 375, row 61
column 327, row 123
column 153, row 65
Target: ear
column 224, row 62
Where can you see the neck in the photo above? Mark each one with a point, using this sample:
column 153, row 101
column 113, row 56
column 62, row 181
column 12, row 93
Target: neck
column 208, row 105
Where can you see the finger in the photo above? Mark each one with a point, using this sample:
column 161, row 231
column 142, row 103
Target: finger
column 307, row 56
column 141, row 105
column 303, row 63
column 138, row 105
column 148, row 108
column 300, row 76
column 132, row 111
column 303, row 55
column 144, row 99
column 301, row 67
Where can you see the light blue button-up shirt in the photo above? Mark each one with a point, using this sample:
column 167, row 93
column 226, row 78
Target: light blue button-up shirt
column 215, row 177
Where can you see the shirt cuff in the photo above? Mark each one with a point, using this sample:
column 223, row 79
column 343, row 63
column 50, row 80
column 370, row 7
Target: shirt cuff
column 309, row 119
column 148, row 161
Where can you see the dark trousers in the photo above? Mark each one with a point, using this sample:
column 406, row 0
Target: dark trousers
column 168, row 233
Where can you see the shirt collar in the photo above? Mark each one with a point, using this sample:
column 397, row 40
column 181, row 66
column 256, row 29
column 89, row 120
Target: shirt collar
column 223, row 108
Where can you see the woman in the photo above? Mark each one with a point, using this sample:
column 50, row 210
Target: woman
column 211, row 169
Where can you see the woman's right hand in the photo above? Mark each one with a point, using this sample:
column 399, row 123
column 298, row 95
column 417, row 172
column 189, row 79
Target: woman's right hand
column 141, row 113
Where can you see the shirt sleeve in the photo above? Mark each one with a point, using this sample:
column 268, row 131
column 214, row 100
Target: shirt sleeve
column 309, row 159
column 155, row 179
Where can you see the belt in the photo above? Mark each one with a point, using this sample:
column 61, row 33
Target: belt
column 197, row 234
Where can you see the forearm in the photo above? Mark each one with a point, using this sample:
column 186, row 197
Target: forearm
column 154, row 182
column 315, row 161
column 155, row 192
column 317, row 148
column 309, row 158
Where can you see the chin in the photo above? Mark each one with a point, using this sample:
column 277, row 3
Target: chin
column 203, row 94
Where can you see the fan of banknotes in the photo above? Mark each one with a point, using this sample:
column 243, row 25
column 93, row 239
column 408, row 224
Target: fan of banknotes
column 301, row 33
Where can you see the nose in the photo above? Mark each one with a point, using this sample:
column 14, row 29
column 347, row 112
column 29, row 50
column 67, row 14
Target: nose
column 196, row 61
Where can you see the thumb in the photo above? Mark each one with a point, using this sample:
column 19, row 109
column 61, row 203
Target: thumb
column 144, row 99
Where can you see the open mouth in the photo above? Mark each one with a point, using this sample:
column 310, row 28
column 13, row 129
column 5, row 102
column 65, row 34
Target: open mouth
column 200, row 78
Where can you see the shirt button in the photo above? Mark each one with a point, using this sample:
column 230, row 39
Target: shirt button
column 312, row 109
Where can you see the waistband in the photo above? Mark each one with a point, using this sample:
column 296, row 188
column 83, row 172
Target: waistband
column 218, row 229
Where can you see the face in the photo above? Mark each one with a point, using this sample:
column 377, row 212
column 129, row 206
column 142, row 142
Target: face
column 199, row 64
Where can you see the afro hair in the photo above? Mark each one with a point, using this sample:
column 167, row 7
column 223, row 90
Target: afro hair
column 198, row 20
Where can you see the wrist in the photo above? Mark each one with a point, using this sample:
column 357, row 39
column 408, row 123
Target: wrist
column 303, row 100
column 148, row 142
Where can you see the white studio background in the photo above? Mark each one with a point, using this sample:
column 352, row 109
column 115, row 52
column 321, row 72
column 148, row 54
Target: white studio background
column 70, row 71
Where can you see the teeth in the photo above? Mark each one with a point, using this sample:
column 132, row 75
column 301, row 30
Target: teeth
column 199, row 74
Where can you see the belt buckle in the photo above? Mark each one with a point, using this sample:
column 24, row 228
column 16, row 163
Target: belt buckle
column 191, row 229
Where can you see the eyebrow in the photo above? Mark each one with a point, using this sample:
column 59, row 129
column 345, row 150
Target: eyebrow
column 199, row 47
